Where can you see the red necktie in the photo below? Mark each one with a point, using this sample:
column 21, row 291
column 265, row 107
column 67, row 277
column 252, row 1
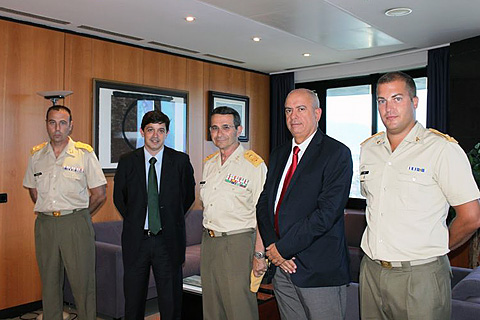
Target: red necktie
column 286, row 182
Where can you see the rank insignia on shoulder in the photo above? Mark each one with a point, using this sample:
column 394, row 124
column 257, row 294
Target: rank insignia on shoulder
column 210, row 156
column 446, row 136
column 253, row 158
column 81, row 145
column 38, row 147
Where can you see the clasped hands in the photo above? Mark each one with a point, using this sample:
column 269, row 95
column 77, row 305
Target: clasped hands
column 274, row 256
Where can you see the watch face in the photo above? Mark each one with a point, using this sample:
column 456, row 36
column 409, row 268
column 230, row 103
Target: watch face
column 259, row 255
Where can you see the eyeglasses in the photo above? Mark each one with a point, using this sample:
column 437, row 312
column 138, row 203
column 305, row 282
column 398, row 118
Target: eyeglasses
column 225, row 127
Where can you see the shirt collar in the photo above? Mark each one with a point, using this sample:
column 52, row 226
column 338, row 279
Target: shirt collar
column 159, row 155
column 416, row 133
column 304, row 145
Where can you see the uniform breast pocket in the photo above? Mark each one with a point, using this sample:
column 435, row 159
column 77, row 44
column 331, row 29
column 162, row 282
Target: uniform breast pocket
column 42, row 183
column 72, row 182
column 414, row 190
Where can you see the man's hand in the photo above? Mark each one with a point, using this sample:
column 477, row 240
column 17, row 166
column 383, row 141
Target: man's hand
column 274, row 256
column 289, row 266
column 259, row 266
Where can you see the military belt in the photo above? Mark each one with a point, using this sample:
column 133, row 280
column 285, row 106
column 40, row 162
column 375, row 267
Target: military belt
column 216, row 234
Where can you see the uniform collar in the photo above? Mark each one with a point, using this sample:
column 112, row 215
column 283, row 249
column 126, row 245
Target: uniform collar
column 235, row 156
column 416, row 134
column 69, row 148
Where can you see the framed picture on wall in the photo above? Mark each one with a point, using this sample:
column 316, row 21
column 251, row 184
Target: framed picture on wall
column 237, row 102
column 118, row 109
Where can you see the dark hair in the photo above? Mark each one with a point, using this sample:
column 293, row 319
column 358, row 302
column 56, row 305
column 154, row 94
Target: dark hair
column 227, row 110
column 58, row 108
column 399, row 76
column 155, row 116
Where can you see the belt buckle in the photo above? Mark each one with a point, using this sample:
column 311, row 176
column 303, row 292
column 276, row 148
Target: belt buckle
column 386, row 264
column 211, row 233
column 56, row 213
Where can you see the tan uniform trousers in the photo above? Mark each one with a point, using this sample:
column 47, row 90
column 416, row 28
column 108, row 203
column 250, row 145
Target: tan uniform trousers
column 419, row 292
column 226, row 263
column 66, row 243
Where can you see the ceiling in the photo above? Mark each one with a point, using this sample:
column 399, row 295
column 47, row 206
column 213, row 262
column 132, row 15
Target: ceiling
column 332, row 31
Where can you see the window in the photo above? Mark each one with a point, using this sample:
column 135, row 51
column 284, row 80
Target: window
column 350, row 115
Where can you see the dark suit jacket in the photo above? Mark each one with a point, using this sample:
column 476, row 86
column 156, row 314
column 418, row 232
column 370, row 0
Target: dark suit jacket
column 177, row 193
column 311, row 219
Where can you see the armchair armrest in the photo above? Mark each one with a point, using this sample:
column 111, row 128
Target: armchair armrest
column 109, row 277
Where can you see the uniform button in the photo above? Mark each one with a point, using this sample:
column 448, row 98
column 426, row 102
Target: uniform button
column 54, row 201
column 389, row 163
column 211, row 204
column 380, row 240
column 414, row 179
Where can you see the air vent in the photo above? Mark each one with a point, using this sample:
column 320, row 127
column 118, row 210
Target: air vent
column 34, row 16
column 222, row 58
column 110, row 33
column 173, row 47
column 311, row 66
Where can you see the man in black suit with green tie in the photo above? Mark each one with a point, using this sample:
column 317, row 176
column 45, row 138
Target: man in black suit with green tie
column 154, row 187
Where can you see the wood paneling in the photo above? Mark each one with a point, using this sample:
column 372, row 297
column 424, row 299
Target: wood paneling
column 34, row 59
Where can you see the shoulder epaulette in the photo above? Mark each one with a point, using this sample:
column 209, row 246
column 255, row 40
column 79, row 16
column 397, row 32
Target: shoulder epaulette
column 38, row 147
column 81, row 145
column 376, row 134
column 446, row 136
column 210, row 156
column 253, row 158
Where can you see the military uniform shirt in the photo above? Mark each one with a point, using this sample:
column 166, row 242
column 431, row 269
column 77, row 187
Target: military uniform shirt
column 229, row 193
column 62, row 183
column 409, row 191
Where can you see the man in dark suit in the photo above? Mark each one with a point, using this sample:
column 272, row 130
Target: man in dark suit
column 300, row 215
column 153, row 218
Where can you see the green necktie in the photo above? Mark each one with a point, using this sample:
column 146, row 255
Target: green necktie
column 154, row 223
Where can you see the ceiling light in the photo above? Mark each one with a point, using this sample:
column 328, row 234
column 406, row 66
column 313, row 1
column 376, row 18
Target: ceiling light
column 190, row 18
column 398, row 12
column 306, row 54
column 256, row 39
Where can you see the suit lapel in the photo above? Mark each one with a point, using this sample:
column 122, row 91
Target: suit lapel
column 140, row 167
column 284, row 153
column 310, row 154
column 165, row 173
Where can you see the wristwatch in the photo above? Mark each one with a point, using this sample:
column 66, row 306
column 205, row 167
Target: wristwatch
column 259, row 254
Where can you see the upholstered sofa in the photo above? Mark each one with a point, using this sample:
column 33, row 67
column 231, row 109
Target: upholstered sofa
column 465, row 294
column 109, row 265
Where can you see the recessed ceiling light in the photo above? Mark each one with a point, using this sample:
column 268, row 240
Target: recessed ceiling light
column 306, row 54
column 398, row 12
column 190, row 18
column 256, row 39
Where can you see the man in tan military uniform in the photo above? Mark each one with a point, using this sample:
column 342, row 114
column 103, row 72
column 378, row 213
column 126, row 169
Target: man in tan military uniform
column 66, row 183
column 232, row 182
column 410, row 176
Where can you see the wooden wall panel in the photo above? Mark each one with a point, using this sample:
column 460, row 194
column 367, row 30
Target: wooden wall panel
column 165, row 71
column 196, row 122
column 32, row 61
column 258, row 89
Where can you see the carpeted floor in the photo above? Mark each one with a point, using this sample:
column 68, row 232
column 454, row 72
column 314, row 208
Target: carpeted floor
column 151, row 313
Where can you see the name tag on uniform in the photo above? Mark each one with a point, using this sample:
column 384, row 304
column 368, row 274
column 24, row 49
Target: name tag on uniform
column 73, row 169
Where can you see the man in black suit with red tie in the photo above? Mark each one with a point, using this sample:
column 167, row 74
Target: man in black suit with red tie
column 154, row 187
column 300, row 215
